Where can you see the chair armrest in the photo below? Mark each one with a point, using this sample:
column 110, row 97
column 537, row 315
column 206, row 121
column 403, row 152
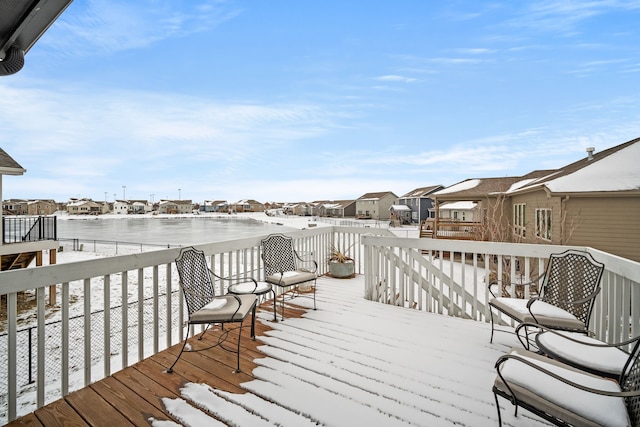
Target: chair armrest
column 307, row 260
column 236, row 279
column 574, row 302
column 585, row 299
column 489, row 288
column 502, row 359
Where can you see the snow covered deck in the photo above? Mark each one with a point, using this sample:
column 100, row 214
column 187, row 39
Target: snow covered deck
column 351, row 362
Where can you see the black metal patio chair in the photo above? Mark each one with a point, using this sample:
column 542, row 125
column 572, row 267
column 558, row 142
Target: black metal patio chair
column 567, row 292
column 567, row 396
column 283, row 267
column 205, row 308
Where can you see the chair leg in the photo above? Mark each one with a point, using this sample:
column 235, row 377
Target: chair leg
column 184, row 344
column 282, row 307
column 238, row 352
column 315, row 285
column 275, row 319
column 495, row 396
column 253, row 322
column 492, row 325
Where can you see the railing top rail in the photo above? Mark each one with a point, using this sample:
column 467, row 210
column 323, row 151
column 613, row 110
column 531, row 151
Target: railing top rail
column 30, row 278
column 615, row 264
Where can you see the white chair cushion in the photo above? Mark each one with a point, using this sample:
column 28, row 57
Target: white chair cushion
column 604, row 359
column 543, row 391
column 545, row 314
column 224, row 312
column 290, row 278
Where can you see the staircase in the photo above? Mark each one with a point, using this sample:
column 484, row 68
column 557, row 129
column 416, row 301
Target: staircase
column 16, row 261
column 426, row 228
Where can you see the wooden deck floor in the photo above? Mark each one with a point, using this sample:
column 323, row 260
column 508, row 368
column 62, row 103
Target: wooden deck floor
column 134, row 395
column 390, row 366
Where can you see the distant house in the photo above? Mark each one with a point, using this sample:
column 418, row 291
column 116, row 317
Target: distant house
column 84, row 207
column 214, row 206
column 592, row 202
column 175, row 207
column 140, row 207
column 375, row 205
column 41, row 207
column 273, row 205
column 492, row 206
column 420, row 202
column 298, row 208
column 15, row 207
column 121, row 207
column 248, row 205
column 336, row 208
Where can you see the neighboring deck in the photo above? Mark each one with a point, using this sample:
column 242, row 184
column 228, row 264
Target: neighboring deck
column 351, row 362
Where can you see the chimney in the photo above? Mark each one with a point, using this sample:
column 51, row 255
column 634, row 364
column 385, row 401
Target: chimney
column 590, row 151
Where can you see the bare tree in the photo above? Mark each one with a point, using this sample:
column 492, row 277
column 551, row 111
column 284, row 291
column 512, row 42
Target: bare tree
column 496, row 225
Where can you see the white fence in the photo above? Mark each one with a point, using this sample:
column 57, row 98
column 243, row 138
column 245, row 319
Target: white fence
column 425, row 274
column 451, row 277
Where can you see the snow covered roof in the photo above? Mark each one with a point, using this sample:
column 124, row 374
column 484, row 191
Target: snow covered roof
column 612, row 170
column 422, row 191
column 458, row 206
column 463, row 185
column 399, row 208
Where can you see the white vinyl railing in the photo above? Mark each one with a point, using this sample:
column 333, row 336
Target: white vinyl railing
column 451, row 277
column 115, row 311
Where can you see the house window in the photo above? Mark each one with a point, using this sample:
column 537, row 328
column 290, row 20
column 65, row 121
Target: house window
column 519, row 220
column 543, row 223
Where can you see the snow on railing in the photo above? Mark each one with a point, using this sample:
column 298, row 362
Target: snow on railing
column 97, row 336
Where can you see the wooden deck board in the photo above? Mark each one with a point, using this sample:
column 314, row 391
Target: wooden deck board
column 320, row 366
column 128, row 402
column 144, row 386
column 94, row 409
column 27, row 420
column 59, row 413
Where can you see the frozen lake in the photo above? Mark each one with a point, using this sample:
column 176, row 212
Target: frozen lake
column 179, row 231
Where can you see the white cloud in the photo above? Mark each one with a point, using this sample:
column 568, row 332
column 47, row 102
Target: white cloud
column 116, row 25
column 395, row 78
column 563, row 16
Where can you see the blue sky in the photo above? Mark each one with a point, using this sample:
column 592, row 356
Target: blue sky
column 307, row 100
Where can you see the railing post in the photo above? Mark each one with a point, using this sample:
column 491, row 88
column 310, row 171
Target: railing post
column 30, row 354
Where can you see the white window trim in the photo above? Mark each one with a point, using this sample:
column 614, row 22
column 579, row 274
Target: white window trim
column 519, row 220
column 543, row 223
